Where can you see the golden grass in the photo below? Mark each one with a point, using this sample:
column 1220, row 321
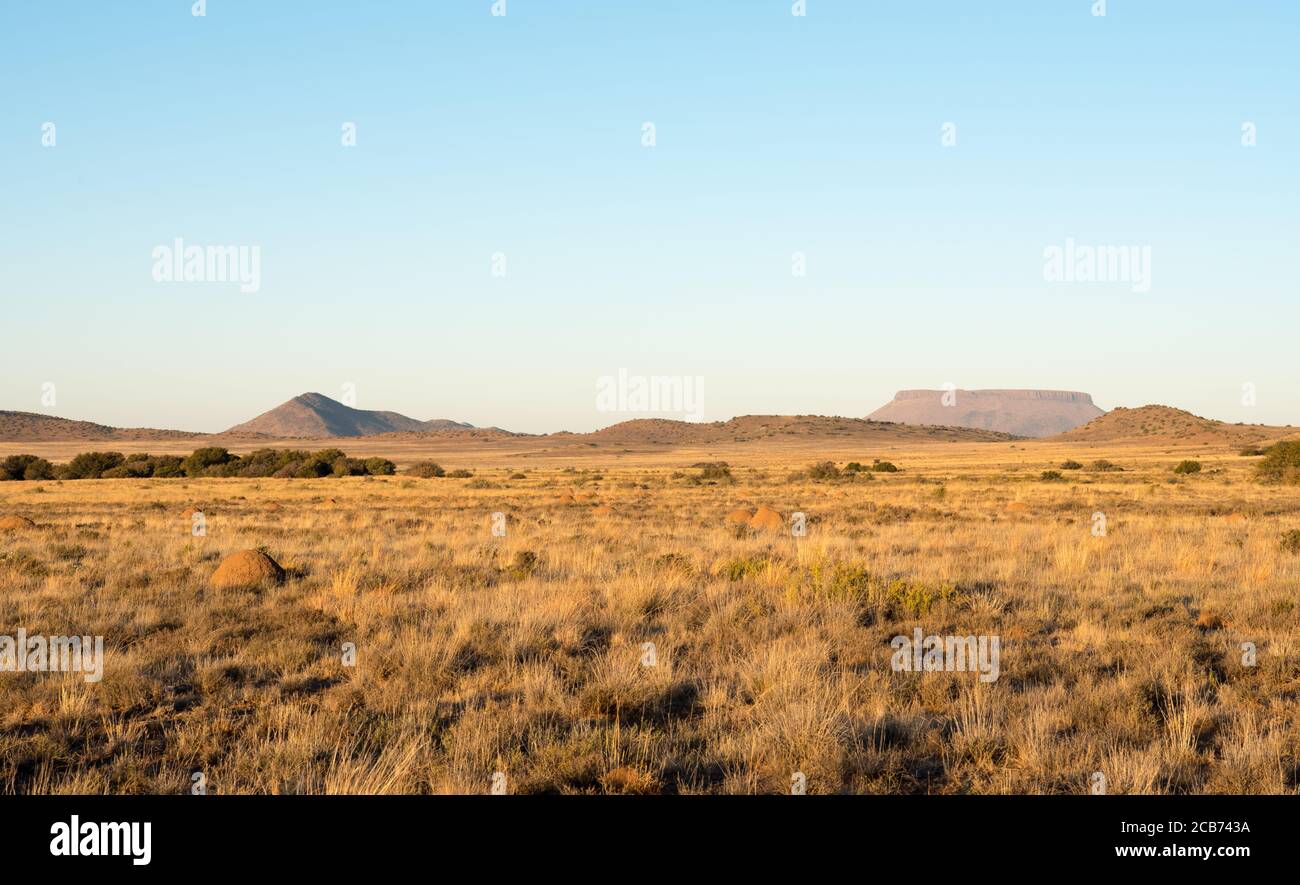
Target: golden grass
column 525, row 654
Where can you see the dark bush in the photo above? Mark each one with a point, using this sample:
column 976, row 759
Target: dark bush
column 380, row 467
column 1052, row 476
column 206, row 462
column 313, row 468
column 883, row 466
column 168, row 466
column 91, row 465
column 823, row 471
column 1291, row 541
column 854, row 467
column 1071, row 465
column 201, row 460
column 460, row 474
column 713, row 472
column 425, row 470
column 260, row 462
column 346, row 466
column 17, row 467
column 1187, row 467
column 1281, row 463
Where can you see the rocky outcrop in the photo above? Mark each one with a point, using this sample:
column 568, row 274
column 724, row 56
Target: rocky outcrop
column 1032, row 413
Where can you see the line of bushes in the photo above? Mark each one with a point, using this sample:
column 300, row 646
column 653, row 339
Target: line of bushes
column 211, row 461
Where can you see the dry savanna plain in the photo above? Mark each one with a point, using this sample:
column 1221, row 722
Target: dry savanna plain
column 1163, row 653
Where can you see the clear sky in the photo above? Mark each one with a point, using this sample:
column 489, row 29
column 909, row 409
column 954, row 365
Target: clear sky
column 523, row 135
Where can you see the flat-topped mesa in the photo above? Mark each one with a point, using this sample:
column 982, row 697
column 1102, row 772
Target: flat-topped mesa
column 1034, row 413
column 1069, row 396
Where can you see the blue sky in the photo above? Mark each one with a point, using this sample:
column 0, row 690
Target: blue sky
column 522, row 135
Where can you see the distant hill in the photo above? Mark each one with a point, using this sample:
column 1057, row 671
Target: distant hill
column 1165, row 424
column 1032, row 413
column 34, row 427
column 316, row 415
column 753, row 428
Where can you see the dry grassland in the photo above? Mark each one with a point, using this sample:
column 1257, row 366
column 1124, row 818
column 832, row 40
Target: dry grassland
column 524, row 654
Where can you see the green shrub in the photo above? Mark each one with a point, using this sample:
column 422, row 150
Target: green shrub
column 425, row 470
column 523, row 564
column 883, row 466
column 1104, row 465
column 1187, row 467
column 1251, row 451
column 1071, row 465
column 30, row 467
column 716, row 471
column 346, row 466
column 380, row 467
column 313, row 468
column 823, row 471
column 460, row 474
column 741, row 568
column 1281, row 463
column 1051, row 476
column 91, row 465
column 262, row 462
column 854, row 467
column 167, row 466
column 201, row 460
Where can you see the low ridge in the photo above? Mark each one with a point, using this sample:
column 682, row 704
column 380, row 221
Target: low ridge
column 1165, row 424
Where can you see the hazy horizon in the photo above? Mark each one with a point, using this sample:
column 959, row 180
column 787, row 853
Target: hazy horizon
column 613, row 418
column 821, row 141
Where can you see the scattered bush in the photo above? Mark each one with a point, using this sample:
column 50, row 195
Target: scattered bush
column 883, row 466
column 522, row 565
column 1291, row 541
column 1281, row 463
column 1186, row 468
column 425, row 470
column 854, row 467
column 823, row 471
column 1251, row 451
column 460, row 474
column 717, row 471
column 1103, row 465
column 1071, row 465
column 1052, row 476
column 380, row 467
